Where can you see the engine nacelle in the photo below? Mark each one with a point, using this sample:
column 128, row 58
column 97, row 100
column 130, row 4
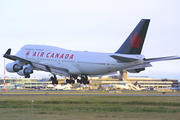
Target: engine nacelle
column 136, row 70
column 26, row 71
column 13, row 67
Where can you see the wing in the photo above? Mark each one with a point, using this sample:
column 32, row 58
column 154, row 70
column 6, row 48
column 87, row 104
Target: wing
column 37, row 66
column 13, row 57
column 52, row 69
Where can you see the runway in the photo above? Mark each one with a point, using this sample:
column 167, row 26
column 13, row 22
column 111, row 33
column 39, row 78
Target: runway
column 84, row 94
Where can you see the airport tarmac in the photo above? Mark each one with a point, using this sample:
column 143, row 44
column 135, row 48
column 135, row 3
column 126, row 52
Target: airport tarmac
column 84, row 94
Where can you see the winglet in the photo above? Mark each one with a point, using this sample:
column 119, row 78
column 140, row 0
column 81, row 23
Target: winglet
column 7, row 55
column 8, row 52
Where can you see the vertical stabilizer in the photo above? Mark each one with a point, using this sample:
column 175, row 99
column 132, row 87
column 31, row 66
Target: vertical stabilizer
column 135, row 41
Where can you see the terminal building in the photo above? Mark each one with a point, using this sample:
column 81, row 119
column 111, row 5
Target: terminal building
column 142, row 82
column 151, row 83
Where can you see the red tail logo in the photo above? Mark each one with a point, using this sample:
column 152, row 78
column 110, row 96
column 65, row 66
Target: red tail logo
column 135, row 40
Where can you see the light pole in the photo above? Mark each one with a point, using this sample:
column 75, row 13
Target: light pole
column 31, row 109
column 4, row 76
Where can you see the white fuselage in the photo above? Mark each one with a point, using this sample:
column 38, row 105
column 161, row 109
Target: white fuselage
column 76, row 62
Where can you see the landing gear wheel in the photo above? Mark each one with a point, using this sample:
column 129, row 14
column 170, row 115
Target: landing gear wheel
column 54, row 80
column 84, row 80
column 27, row 76
column 70, row 81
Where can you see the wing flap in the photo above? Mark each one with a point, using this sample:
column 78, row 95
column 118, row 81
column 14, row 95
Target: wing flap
column 60, row 72
column 52, row 69
column 40, row 67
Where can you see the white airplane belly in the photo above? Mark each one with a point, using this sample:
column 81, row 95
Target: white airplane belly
column 103, row 69
column 92, row 69
column 100, row 68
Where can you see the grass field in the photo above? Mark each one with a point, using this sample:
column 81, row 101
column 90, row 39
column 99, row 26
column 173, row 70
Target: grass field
column 89, row 108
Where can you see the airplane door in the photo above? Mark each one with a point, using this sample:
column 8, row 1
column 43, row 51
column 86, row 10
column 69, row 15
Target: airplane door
column 38, row 59
column 77, row 61
column 59, row 62
column 108, row 66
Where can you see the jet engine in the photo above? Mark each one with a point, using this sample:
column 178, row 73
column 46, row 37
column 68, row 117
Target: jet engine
column 26, row 71
column 13, row 67
column 136, row 70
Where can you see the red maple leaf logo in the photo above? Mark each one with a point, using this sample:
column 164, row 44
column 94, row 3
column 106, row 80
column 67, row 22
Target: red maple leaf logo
column 135, row 40
column 28, row 52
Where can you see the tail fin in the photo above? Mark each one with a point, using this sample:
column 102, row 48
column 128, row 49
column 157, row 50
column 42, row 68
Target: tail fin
column 135, row 41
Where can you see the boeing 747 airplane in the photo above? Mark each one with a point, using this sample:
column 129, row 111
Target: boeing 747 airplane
column 74, row 64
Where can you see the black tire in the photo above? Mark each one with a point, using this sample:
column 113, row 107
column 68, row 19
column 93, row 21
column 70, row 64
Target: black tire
column 73, row 82
column 27, row 76
column 53, row 82
column 51, row 78
column 87, row 82
column 67, row 81
column 84, row 81
column 56, row 82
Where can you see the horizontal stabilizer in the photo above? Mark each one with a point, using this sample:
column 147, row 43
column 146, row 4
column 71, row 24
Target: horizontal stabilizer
column 123, row 59
column 161, row 59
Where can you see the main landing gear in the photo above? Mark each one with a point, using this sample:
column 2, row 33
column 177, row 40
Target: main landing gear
column 54, row 80
column 83, row 80
column 71, row 80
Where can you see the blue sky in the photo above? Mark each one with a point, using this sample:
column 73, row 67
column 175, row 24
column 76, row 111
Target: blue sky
column 93, row 25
